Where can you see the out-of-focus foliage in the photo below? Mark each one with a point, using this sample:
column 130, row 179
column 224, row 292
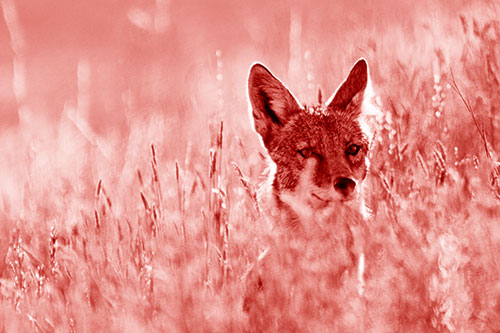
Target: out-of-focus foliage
column 125, row 206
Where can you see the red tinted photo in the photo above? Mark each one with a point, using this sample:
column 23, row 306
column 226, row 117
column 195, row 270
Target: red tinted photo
column 249, row 166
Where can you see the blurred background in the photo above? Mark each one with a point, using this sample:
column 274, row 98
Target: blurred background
column 109, row 122
column 115, row 59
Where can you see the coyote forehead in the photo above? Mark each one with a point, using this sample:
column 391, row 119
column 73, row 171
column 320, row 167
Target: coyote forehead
column 325, row 138
column 319, row 152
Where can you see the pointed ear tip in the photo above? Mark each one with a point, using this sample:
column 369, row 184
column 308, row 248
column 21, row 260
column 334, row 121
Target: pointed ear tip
column 257, row 67
column 362, row 64
column 257, row 70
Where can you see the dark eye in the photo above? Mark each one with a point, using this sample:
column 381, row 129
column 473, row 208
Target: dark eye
column 306, row 152
column 352, row 150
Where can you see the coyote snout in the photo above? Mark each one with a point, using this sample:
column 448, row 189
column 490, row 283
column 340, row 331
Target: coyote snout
column 345, row 186
column 318, row 153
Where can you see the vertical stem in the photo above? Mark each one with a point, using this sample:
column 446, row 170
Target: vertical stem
column 18, row 45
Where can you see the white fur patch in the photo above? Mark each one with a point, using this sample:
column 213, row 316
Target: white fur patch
column 299, row 199
column 312, row 203
column 309, row 200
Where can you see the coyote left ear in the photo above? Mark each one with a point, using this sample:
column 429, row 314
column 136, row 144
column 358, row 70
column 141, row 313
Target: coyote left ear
column 272, row 104
column 352, row 89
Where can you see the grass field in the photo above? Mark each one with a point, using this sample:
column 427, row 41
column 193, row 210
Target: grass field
column 128, row 187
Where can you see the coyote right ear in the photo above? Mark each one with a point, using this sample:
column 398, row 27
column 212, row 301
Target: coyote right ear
column 353, row 86
column 271, row 102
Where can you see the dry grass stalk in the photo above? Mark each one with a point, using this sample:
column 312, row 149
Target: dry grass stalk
column 139, row 176
column 218, row 198
column 422, row 164
column 156, row 181
column 439, row 155
column 181, row 200
column 468, row 107
column 495, row 180
column 144, row 201
column 248, row 186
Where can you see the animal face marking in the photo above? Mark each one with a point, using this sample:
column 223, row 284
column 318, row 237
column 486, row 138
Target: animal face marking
column 319, row 151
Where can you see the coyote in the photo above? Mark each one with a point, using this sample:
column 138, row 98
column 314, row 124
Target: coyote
column 318, row 154
column 317, row 161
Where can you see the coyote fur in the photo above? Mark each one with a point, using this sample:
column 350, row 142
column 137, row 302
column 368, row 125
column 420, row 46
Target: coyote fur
column 318, row 154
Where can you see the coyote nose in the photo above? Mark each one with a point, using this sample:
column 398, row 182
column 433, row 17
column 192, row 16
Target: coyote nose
column 345, row 186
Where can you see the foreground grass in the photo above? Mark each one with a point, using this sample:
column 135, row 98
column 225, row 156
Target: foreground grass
column 99, row 234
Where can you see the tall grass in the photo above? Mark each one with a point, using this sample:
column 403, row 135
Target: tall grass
column 158, row 228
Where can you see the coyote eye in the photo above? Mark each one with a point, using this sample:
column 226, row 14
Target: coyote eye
column 306, row 152
column 352, row 150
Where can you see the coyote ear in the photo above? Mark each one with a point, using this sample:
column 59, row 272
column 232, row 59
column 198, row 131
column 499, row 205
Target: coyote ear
column 350, row 93
column 271, row 102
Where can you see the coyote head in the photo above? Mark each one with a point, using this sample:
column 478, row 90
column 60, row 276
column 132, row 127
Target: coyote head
column 319, row 152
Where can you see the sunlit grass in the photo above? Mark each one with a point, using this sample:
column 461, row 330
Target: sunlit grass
column 159, row 229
